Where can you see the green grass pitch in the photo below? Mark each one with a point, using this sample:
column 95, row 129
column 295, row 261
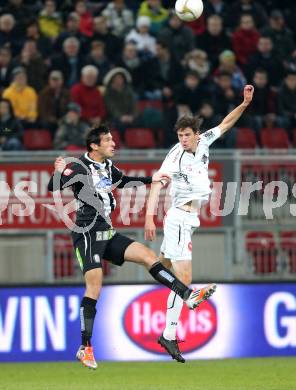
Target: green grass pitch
column 230, row 374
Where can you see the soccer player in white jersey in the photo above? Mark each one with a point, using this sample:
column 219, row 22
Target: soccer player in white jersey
column 187, row 165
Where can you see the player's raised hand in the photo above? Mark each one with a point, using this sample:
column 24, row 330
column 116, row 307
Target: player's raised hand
column 60, row 164
column 150, row 229
column 248, row 94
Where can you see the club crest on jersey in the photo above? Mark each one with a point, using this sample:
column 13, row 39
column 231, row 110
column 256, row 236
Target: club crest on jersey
column 67, row 172
column 204, row 159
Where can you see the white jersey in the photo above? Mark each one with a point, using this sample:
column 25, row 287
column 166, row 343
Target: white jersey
column 188, row 171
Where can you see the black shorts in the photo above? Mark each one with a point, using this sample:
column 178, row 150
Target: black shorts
column 91, row 247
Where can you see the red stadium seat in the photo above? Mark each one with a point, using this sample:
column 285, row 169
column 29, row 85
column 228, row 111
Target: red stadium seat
column 262, row 249
column 37, row 139
column 75, row 148
column 246, row 138
column 116, row 138
column 288, row 246
column 64, row 258
column 142, row 104
column 275, row 138
column 142, row 138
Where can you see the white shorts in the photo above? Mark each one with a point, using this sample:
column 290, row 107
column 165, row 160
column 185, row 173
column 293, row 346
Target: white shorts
column 178, row 228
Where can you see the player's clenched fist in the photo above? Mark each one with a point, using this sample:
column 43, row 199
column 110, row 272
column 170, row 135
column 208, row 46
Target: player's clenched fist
column 60, row 164
column 248, row 94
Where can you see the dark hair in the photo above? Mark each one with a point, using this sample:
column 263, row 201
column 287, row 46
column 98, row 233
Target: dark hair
column 11, row 112
column 260, row 70
column 192, row 73
column 94, row 135
column 290, row 72
column 193, row 122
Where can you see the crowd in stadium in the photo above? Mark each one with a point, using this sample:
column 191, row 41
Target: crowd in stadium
column 65, row 65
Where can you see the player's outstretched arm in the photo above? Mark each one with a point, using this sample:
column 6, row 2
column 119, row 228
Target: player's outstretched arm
column 230, row 120
column 150, row 228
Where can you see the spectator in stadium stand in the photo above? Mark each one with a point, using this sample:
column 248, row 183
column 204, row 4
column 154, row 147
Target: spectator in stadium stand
column 88, row 96
column 250, row 7
column 145, row 42
column 120, row 99
column 245, row 39
column 177, row 36
column 281, row 36
column 190, row 93
column 214, row 40
column 156, row 12
column 7, row 64
column 98, row 58
column 224, row 98
column 113, row 44
column 265, row 101
column 197, row 60
column 11, row 130
column 207, row 113
column 22, row 97
column 71, row 30
column 50, row 21
column 265, row 58
column 120, row 19
column 216, row 7
column 227, row 63
column 53, row 101
column 86, row 19
column 9, row 35
column 287, row 98
column 20, row 12
column 69, row 62
column 72, row 131
column 167, row 71
column 44, row 44
column 34, row 64
column 131, row 61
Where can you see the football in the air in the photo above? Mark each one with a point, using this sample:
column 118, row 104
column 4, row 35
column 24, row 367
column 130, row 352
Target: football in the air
column 189, row 10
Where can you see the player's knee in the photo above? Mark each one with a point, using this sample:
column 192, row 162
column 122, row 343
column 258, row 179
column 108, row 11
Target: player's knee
column 149, row 258
column 93, row 290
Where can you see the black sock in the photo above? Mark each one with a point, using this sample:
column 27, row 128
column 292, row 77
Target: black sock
column 87, row 318
column 166, row 277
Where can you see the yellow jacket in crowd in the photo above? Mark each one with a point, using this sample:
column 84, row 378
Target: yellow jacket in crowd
column 24, row 101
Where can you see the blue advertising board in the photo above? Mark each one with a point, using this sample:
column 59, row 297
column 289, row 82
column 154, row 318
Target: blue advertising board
column 241, row 320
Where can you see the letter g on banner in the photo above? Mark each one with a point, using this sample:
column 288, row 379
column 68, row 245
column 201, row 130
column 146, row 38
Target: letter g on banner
column 280, row 325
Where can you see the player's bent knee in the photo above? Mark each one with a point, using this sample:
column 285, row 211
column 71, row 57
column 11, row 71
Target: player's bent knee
column 149, row 258
column 93, row 281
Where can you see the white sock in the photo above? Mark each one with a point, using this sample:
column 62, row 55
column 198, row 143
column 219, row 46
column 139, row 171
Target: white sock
column 174, row 308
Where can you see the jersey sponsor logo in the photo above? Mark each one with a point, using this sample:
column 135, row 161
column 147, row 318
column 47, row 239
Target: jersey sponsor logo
column 144, row 322
column 67, row 172
column 104, row 182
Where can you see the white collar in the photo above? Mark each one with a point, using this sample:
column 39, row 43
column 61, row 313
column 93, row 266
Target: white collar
column 93, row 161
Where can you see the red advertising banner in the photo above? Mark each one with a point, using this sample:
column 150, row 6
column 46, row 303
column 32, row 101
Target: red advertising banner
column 25, row 201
